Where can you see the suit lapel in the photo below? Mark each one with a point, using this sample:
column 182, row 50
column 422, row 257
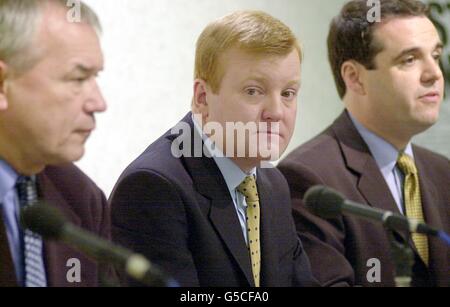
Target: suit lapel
column 268, row 245
column 54, row 252
column 358, row 158
column 371, row 182
column 209, row 182
column 430, row 204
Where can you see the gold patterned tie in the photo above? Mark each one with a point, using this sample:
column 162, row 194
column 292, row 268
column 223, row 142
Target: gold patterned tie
column 413, row 203
column 249, row 190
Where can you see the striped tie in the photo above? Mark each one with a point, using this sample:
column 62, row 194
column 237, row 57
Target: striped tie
column 413, row 202
column 249, row 190
column 33, row 260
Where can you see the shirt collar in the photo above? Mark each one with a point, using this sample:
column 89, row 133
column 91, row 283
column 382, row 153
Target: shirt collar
column 384, row 153
column 8, row 179
column 232, row 174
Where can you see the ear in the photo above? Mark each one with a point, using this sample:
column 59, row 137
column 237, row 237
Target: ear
column 3, row 99
column 200, row 100
column 353, row 75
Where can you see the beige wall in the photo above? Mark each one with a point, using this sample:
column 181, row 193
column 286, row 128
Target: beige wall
column 149, row 50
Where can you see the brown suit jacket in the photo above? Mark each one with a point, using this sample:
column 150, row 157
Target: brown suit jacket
column 84, row 205
column 339, row 249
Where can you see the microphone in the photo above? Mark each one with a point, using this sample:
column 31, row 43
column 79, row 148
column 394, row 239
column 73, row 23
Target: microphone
column 48, row 222
column 328, row 203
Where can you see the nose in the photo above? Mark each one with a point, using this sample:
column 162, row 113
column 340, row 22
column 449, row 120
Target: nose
column 95, row 103
column 432, row 72
column 273, row 108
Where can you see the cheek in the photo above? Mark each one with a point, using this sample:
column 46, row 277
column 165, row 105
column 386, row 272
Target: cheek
column 405, row 86
column 383, row 85
column 290, row 118
column 63, row 116
column 442, row 83
column 234, row 110
column 217, row 106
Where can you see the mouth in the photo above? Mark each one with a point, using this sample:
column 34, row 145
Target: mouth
column 85, row 132
column 431, row 97
column 270, row 133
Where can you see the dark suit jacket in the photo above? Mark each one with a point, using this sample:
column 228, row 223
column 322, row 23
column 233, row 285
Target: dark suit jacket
column 340, row 248
column 178, row 212
column 84, row 205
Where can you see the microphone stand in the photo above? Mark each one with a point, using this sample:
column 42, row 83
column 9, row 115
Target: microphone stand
column 108, row 276
column 403, row 258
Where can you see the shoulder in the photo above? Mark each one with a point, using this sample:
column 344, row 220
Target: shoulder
column 434, row 157
column 158, row 160
column 317, row 156
column 317, row 149
column 438, row 166
column 274, row 183
column 76, row 195
column 69, row 179
column 271, row 177
column 156, row 173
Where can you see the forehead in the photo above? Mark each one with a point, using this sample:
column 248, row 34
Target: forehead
column 59, row 40
column 239, row 62
column 398, row 34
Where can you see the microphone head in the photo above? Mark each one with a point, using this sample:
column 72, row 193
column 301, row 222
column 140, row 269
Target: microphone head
column 43, row 220
column 323, row 201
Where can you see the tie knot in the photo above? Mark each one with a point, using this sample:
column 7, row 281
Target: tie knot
column 26, row 190
column 406, row 164
column 248, row 189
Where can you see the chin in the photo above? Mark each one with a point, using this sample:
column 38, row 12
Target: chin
column 70, row 155
column 270, row 154
column 273, row 144
column 429, row 120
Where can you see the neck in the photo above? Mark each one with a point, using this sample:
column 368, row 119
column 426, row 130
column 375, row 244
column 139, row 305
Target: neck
column 399, row 137
column 21, row 163
column 245, row 164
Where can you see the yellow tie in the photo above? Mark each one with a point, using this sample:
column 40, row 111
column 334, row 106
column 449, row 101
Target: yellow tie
column 413, row 202
column 249, row 190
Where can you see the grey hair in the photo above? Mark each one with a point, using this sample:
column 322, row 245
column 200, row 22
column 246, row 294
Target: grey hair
column 19, row 22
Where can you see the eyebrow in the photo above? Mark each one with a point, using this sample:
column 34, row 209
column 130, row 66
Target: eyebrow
column 264, row 80
column 439, row 45
column 295, row 82
column 86, row 70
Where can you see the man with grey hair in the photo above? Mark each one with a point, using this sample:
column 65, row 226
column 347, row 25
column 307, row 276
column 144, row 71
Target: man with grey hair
column 48, row 98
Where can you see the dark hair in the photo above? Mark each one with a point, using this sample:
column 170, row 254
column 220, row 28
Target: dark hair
column 351, row 33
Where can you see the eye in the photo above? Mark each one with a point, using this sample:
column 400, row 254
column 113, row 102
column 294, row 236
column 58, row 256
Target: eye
column 437, row 57
column 290, row 94
column 409, row 60
column 79, row 79
column 253, row 91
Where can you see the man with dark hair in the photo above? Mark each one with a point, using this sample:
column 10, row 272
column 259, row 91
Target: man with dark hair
column 48, row 100
column 388, row 75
